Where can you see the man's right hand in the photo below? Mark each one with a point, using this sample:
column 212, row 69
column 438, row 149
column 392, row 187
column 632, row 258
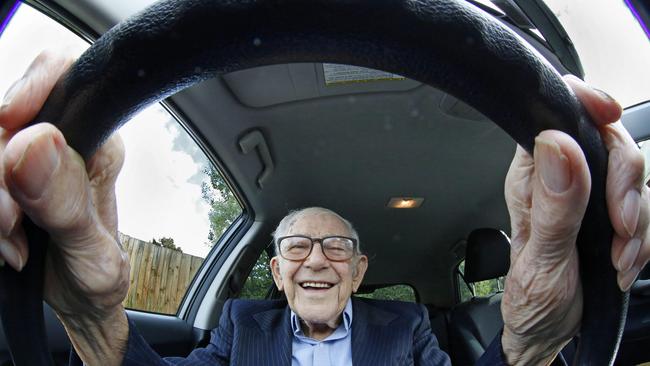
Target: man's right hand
column 87, row 272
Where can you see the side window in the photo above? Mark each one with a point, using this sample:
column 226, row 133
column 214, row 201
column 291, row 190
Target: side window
column 394, row 292
column 482, row 288
column 259, row 281
column 173, row 205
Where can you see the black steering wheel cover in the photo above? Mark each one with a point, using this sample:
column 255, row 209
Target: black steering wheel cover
column 447, row 44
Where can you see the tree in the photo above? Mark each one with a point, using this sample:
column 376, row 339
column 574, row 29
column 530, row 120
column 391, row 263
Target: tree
column 395, row 292
column 259, row 280
column 481, row 288
column 486, row 288
column 224, row 208
column 166, row 243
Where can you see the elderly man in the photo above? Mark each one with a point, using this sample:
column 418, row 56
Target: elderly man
column 319, row 265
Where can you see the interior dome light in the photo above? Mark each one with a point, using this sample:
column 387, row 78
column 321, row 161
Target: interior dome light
column 405, row 202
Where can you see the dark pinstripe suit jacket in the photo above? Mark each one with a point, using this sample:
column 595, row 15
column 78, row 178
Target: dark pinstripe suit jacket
column 259, row 333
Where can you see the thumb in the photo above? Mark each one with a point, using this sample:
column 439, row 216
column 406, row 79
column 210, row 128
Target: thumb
column 48, row 180
column 560, row 194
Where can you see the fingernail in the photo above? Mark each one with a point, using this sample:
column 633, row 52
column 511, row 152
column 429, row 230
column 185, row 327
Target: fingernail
column 35, row 167
column 11, row 255
column 626, row 280
column 11, row 92
column 615, row 113
column 629, row 255
column 7, row 213
column 553, row 165
column 631, row 208
column 604, row 96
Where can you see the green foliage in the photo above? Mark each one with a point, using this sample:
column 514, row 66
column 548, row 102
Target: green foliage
column 396, row 292
column 166, row 243
column 482, row 288
column 488, row 287
column 224, row 208
column 259, row 281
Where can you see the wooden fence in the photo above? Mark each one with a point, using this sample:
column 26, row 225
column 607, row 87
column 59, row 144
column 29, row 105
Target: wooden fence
column 159, row 276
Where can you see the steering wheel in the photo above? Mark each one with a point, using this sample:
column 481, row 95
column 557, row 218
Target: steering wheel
column 447, row 44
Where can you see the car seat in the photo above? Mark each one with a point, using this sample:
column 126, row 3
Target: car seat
column 474, row 324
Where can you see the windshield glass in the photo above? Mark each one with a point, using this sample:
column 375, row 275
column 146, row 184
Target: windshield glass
column 613, row 48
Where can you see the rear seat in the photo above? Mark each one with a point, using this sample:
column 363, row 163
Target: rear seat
column 474, row 324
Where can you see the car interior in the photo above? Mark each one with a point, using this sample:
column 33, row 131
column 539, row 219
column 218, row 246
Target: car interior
column 288, row 136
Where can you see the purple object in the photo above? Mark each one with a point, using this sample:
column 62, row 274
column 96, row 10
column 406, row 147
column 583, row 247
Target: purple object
column 638, row 18
column 6, row 21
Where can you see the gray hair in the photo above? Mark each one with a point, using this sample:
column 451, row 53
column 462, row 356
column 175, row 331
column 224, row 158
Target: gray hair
column 288, row 221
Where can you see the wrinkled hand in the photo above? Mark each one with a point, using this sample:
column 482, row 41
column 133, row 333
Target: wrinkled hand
column 547, row 197
column 86, row 271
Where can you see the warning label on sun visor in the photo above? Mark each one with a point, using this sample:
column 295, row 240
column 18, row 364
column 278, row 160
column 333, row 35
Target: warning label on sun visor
column 341, row 74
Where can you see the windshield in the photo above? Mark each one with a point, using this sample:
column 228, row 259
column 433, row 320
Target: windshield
column 613, row 48
column 612, row 45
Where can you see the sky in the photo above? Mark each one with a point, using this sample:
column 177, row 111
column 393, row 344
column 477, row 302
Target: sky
column 614, row 50
column 159, row 190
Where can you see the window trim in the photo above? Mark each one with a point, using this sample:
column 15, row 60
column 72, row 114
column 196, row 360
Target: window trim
column 65, row 18
column 635, row 118
column 212, row 265
column 7, row 12
column 214, row 286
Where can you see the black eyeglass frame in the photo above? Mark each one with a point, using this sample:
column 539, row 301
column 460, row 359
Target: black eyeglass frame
column 317, row 240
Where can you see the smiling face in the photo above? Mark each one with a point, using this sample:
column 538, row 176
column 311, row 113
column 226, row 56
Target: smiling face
column 316, row 288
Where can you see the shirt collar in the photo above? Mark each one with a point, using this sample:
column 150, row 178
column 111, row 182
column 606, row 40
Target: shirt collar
column 347, row 320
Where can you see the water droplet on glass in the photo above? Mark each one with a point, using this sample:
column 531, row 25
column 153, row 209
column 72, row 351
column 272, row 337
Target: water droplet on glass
column 141, row 73
column 414, row 112
column 257, row 41
column 388, row 124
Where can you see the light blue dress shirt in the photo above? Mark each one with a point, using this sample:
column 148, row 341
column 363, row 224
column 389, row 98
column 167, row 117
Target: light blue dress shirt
column 335, row 350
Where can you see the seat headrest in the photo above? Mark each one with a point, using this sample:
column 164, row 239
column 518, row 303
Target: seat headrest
column 487, row 255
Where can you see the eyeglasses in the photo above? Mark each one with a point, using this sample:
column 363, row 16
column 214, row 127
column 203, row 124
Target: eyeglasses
column 299, row 247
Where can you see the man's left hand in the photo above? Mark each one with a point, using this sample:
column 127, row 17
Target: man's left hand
column 547, row 197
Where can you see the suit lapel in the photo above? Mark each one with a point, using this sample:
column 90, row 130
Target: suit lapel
column 370, row 334
column 276, row 325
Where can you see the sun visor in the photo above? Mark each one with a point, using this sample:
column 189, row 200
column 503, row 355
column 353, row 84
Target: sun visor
column 270, row 85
